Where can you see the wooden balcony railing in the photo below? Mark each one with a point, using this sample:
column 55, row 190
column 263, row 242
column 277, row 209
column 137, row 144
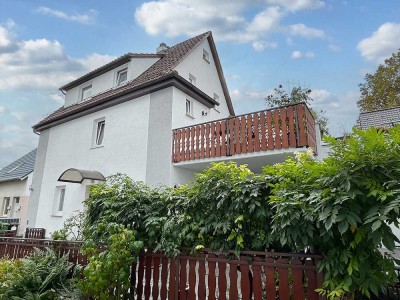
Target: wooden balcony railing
column 285, row 127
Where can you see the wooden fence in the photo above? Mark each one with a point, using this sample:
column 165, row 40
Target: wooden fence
column 285, row 127
column 35, row 233
column 207, row 275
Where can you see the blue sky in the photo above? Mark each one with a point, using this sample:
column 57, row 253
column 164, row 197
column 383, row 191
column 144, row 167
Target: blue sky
column 325, row 45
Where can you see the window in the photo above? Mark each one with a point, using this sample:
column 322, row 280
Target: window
column 6, row 206
column 98, row 132
column 59, row 199
column 86, row 92
column 192, row 79
column 16, row 200
column 206, row 56
column 122, row 76
column 188, row 107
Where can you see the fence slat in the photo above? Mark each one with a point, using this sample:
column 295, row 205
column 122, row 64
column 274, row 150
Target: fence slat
column 139, row 289
column 217, row 138
column 212, row 141
column 233, row 292
column 182, row 278
column 223, row 138
column 298, row 288
column 202, row 274
column 202, row 141
column 285, row 138
column 238, row 136
column 278, row 140
column 222, row 279
column 257, row 281
column 250, row 147
column 192, row 280
column 208, row 140
column 173, row 275
column 301, row 126
column 164, row 278
column 271, row 142
column 156, row 277
column 292, row 133
column 243, row 134
column 284, row 292
column 192, row 142
column 148, row 261
column 232, row 137
column 211, row 278
column 245, row 280
column 257, row 144
column 270, row 289
column 312, row 283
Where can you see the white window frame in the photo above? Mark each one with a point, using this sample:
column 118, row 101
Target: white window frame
column 206, row 55
column 119, row 72
column 59, row 200
column 189, row 107
column 192, row 79
column 88, row 86
column 4, row 209
column 96, row 133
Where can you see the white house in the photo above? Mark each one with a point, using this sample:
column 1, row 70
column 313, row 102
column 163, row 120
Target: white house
column 15, row 183
column 158, row 118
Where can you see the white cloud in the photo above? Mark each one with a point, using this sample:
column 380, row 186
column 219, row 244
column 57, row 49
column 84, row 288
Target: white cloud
column 297, row 55
column 87, row 18
column 295, row 5
column 42, row 64
column 191, row 17
column 334, row 48
column 261, row 45
column 2, row 110
column 381, row 44
column 305, row 31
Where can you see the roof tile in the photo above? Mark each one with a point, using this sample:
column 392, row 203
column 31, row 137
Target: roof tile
column 19, row 168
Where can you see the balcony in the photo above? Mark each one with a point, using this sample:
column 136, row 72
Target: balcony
column 277, row 131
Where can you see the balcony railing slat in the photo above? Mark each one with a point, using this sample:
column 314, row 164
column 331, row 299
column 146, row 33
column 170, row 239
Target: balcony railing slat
column 285, row 139
column 301, row 126
column 281, row 128
column 292, row 133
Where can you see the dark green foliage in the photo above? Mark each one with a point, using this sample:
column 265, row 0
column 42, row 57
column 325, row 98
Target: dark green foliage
column 42, row 275
column 107, row 276
column 342, row 208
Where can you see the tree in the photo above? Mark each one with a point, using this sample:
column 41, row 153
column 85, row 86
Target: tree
column 382, row 89
column 281, row 97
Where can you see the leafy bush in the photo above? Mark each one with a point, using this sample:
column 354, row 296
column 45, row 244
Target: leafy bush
column 107, row 276
column 42, row 275
column 72, row 228
column 342, row 208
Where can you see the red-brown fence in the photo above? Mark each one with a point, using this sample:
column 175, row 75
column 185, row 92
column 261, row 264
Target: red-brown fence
column 207, row 275
column 285, row 127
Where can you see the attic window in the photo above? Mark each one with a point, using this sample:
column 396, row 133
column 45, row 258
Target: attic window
column 189, row 111
column 86, row 92
column 206, row 56
column 122, row 76
column 13, row 169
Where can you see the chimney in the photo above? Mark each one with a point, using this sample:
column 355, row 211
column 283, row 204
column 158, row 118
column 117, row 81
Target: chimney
column 162, row 48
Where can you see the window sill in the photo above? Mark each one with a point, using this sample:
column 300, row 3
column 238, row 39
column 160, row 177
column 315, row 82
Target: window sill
column 96, row 147
column 190, row 116
column 57, row 215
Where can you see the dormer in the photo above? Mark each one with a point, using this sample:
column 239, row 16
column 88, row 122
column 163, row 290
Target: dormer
column 110, row 76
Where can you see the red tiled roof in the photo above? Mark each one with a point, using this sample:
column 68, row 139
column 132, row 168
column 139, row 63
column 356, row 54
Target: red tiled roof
column 163, row 67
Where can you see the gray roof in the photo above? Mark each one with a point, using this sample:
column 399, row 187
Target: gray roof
column 381, row 118
column 20, row 168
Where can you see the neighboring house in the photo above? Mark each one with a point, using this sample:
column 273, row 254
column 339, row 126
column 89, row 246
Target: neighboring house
column 158, row 118
column 15, row 184
column 384, row 118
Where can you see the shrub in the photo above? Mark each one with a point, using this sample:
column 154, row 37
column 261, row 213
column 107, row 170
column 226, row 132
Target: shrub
column 107, row 276
column 342, row 208
column 41, row 275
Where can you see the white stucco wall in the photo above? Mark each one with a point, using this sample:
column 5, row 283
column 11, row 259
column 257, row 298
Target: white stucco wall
column 70, row 146
column 206, row 74
column 108, row 80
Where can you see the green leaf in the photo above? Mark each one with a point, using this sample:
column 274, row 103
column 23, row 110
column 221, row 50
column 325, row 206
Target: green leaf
column 376, row 225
